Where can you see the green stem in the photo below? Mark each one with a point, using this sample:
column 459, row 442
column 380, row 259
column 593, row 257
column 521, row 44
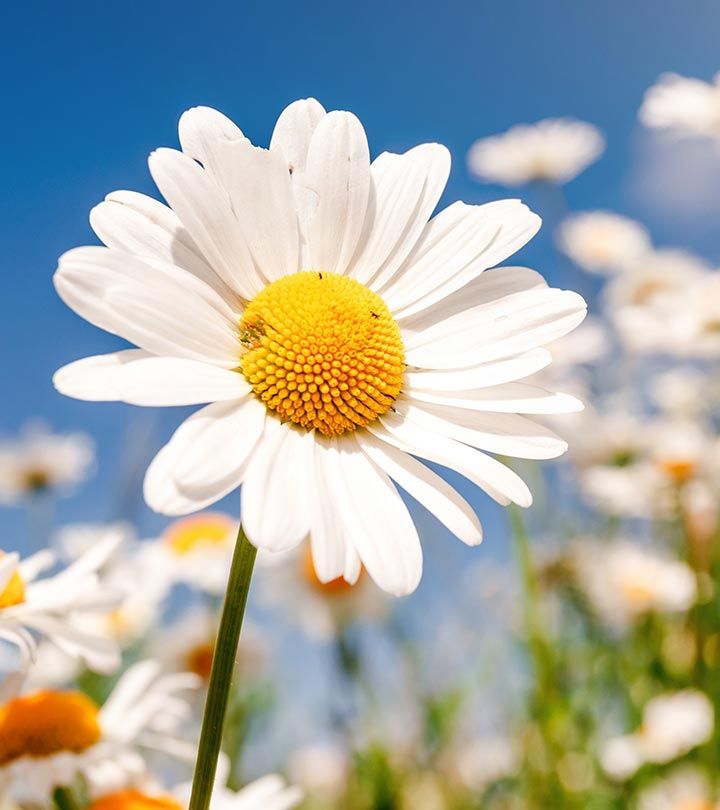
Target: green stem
column 64, row 798
column 221, row 674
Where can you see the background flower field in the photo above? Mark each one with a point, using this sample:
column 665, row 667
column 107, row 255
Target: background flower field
column 572, row 659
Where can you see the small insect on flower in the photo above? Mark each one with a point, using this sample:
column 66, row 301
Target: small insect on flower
column 339, row 332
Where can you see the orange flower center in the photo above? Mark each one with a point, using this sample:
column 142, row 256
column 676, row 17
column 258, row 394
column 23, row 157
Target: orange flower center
column 47, row 722
column 194, row 532
column 322, row 351
column 336, row 587
column 134, row 800
column 199, row 659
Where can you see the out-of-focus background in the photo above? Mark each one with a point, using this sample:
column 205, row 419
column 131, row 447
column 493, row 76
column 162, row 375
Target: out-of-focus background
column 496, row 648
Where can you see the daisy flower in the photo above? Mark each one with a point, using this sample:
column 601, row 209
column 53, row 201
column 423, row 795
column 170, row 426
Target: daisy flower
column 624, row 581
column 55, row 606
column 338, row 332
column 40, row 461
column 268, row 793
column 556, row 150
column 684, row 106
column 289, row 582
column 49, row 737
column 195, row 551
column 188, row 644
column 321, row 769
column 602, row 242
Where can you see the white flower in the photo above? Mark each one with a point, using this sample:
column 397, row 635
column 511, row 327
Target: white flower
column 602, row 242
column 673, row 724
column 685, row 788
column 336, row 331
column 681, row 391
column 49, row 737
column 195, row 551
column 142, row 589
column 485, row 760
column 322, row 609
column 624, row 581
column 40, row 461
column 556, row 149
column 689, row 107
column 56, row 606
column 188, row 643
column 320, row 769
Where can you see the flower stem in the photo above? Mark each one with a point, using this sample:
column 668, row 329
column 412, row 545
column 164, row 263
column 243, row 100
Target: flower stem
column 221, row 674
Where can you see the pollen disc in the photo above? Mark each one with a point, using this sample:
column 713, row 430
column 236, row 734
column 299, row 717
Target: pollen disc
column 323, row 351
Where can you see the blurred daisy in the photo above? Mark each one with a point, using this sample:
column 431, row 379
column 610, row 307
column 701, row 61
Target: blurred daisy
column 321, row 770
column 485, row 760
column 681, row 391
column 289, row 581
column 556, row 149
column 49, row 737
column 624, row 581
column 195, row 551
column 336, row 331
column 643, row 302
column 701, row 309
column 142, row 589
column 685, row 106
column 269, row 793
column 685, row 788
column 55, row 606
column 40, row 461
column 602, row 242
column 188, row 643
column 673, row 724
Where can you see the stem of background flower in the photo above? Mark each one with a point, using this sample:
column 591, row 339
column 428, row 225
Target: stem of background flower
column 64, row 799
column 221, row 674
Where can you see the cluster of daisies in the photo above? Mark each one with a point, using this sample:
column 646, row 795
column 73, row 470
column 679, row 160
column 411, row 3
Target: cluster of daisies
column 352, row 342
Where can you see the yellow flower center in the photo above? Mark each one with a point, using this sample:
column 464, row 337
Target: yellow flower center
column 134, row 800
column 336, row 587
column 45, row 723
column 638, row 594
column 694, row 804
column 679, row 470
column 323, row 351
column 194, row 532
column 14, row 591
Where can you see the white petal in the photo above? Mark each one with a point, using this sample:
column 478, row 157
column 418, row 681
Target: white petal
column 201, row 131
column 404, row 192
column 378, row 522
column 8, row 566
column 291, row 139
column 510, row 325
column 260, row 190
column 506, row 398
column 505, row 433
column 133, row 684
column 138, row 224
column 138, row 378
column 482, row 376
column 337, row 185
column 204, row 209
column 499, row 481
column 328, row 536
column 165, row 313
column 435, row 494
column 276, row 496
column 206, row 457
column 490, row 286
column 442, row 261
column 100, row 654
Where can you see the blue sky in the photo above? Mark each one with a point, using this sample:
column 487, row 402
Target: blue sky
column 89, row 89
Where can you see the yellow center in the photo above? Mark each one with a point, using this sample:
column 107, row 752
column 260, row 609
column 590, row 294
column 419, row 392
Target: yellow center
column 45, row 723
column 14, row 591
column 190, row 533
column 679, row 469
column 134, row 800
column 694, row 804
column 638, row 594
column 323, row 351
